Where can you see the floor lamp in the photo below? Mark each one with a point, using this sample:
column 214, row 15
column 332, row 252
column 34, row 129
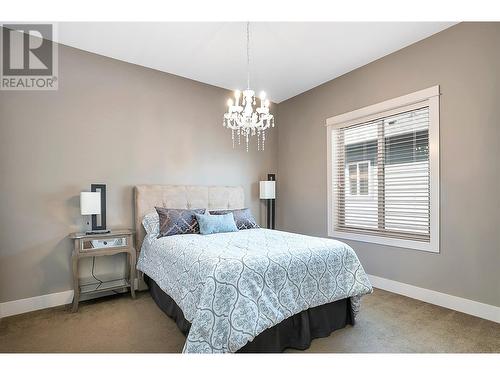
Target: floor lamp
column 268, row 192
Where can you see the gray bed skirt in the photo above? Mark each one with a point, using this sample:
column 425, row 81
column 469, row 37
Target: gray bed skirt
column 296, row 332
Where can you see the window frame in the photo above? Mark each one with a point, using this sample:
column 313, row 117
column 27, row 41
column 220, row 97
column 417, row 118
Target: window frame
column 428, row 97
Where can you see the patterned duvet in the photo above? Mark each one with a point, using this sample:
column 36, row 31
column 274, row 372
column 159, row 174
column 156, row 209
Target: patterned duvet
column 233, row 286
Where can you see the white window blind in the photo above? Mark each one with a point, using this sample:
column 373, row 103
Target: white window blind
column 382, row 176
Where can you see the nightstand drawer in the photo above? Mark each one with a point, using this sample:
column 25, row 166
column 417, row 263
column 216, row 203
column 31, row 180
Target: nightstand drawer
column 90, row 245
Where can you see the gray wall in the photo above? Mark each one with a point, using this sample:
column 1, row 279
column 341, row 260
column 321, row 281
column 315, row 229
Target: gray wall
column 114, row 123
column 465, row 61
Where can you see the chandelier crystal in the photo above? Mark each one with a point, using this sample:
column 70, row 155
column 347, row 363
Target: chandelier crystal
column 242, row 117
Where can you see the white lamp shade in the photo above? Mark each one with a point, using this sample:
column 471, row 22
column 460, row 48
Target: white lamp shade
column 267, row 189
column 90, row 203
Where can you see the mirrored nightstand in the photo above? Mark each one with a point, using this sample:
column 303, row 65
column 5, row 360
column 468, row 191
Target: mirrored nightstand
column 95, row 245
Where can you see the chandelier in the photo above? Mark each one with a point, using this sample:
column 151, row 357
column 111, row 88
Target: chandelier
column 242, row 118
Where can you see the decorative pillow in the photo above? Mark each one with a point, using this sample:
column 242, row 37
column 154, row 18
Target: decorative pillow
column 216, row 224
column 178, row 221
column 243, row 218
column 151, row 223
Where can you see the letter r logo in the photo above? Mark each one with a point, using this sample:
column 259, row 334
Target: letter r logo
column 27, row 50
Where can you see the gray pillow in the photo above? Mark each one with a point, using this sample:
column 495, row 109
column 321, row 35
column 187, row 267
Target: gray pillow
column 178, row 221
column 243, row 218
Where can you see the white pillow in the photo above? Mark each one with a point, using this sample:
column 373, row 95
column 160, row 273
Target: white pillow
column 151, row 223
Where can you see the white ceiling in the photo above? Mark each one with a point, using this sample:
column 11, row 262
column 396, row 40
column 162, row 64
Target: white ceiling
column 286, row 58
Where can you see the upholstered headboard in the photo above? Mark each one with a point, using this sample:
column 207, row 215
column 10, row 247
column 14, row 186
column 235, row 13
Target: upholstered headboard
column 147, row 197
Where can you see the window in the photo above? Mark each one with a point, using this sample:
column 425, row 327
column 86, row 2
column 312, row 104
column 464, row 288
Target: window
column 358, row 177
column 383, row 172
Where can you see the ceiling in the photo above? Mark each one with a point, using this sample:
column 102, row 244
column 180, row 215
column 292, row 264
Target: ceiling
column 286, row 59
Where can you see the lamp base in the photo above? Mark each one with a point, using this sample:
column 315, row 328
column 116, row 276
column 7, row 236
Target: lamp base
column 103, row 231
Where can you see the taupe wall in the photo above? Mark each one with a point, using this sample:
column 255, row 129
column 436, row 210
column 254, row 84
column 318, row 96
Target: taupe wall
column 114, row 123
column 465, row 61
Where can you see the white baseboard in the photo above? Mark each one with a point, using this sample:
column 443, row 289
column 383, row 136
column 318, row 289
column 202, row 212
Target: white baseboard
column 45, row 301
column 467, row 306
column 21, row 306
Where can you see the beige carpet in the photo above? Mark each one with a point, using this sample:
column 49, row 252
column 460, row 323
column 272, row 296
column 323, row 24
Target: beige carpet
column 387, row 323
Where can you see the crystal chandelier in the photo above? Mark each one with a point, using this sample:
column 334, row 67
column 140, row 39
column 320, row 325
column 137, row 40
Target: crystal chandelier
column 242, row 118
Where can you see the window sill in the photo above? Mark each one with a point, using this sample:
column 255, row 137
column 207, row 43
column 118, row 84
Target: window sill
column 432, row 247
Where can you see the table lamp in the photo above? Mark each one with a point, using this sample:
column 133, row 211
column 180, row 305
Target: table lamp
column 93, row 203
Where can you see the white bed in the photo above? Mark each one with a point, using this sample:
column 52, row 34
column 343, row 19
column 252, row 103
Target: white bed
column 233, row 286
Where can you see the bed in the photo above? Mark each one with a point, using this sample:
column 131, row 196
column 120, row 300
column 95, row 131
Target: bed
column 255, row 290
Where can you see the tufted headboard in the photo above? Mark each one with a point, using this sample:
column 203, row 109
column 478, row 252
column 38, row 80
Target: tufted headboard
column 182, row 196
